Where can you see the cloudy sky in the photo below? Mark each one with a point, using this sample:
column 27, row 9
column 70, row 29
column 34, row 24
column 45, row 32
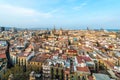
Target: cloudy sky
column 61, row 13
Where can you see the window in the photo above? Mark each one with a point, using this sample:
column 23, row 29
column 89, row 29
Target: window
column 38, row 64
column 72, row 78
column 78, row 77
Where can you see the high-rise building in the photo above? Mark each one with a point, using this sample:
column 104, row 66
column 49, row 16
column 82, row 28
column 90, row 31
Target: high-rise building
column 2, row 29
column 14, row 29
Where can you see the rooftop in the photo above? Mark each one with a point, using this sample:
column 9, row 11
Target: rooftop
column 83, row 69
column 2, row 55
column 99, row 76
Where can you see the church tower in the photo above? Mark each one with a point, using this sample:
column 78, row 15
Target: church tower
column 61, row 31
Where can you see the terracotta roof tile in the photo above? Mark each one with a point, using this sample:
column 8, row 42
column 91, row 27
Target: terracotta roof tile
column 90, row 78
column 2, row 55
column 72, row 51
column 83, row 69
column 109, row 63
column 83, row 58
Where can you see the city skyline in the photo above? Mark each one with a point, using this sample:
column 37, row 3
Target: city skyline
column 65, row 14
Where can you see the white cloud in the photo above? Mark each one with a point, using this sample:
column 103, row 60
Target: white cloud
column 18, row 16
column 80, row 6
column 19, row 11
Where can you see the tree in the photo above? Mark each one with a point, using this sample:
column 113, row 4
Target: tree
column 17, row 72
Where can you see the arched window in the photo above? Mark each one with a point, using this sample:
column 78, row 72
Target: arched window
column 62, row 74
column 19, row 62
column 38, row 63
column 67, row 77
column 22, row 62
column 78, row 77
column 57, row 71
column 83, row 78
column 52, row 73
column 57, row 76
column 72, row 78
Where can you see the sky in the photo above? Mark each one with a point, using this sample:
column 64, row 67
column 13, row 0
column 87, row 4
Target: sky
column 69, row 14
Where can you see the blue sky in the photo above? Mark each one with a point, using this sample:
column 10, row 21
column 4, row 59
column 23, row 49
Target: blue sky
column 61, row 13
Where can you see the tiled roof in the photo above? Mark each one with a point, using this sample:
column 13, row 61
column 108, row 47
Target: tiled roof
column 83, row 57
column 80, row 60
column 90, row 78
column 40, row 57
column 111, row 65
column 83, row 69
column 72, row 51
column 2, row 55
column 24, row 54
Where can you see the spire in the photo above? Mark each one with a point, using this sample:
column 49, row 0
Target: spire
column 54, row 28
